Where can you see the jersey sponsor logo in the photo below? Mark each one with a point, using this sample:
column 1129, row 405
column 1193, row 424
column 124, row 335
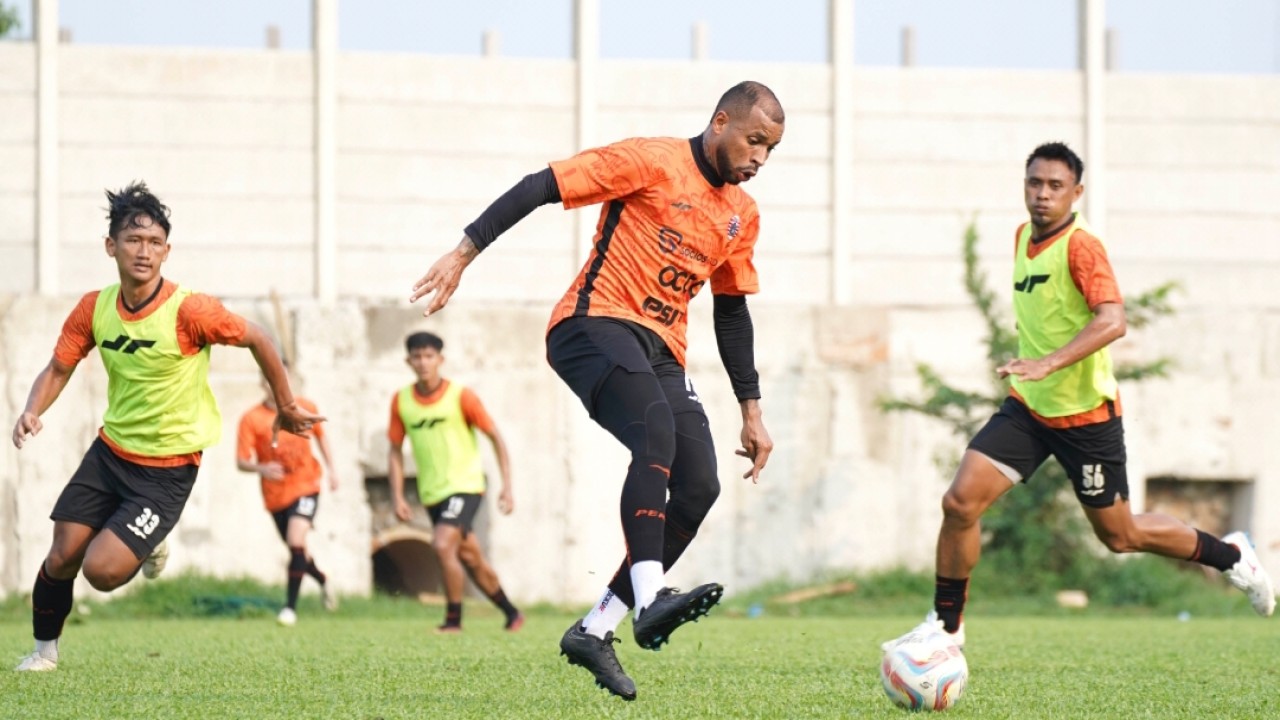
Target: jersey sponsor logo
column 672, row 242
column 681, row 205
column 660, row 311
column 1029, row 283
column 427, row 423
column 735, row 225
column 130, row 348
column 682, row 281
column 669, row 240
column 1093, row 482
column 144, row 524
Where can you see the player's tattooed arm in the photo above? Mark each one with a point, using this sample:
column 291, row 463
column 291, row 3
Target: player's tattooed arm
column 443, row 277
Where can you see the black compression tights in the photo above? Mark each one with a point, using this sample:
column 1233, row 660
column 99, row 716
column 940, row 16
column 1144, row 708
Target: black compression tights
column 693, row 482
column 633, row 408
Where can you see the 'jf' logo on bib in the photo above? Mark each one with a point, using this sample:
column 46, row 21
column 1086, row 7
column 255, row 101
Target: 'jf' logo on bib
column 735, row 224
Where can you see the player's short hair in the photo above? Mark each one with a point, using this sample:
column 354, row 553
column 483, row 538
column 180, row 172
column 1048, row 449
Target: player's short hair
column 1059, row 151
column 423, row 340
column 125, row 207
column 738, row 101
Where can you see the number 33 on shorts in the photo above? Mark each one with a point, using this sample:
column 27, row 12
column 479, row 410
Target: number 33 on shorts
column 307, row 506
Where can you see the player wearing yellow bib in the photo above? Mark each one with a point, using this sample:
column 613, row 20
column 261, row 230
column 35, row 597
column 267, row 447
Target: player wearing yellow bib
column 440, row 417
column 154, row 338
column 1064, row 402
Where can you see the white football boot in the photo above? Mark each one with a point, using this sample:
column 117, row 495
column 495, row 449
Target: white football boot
column 155, row 562
column 287, row 617
column 35, row 662
column 328, row 598
column 1249, row 575
column 932, row 625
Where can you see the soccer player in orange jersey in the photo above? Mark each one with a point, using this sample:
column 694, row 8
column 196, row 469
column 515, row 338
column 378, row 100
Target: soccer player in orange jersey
column 674, row 219
column 1064, row 402
column 154, row 338
column 290, row 477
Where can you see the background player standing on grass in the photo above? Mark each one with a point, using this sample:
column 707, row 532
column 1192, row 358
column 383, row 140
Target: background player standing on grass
column 290, row 477
column 1064, row 402
column 440, row 418
column 154, row 338
column 673, row 220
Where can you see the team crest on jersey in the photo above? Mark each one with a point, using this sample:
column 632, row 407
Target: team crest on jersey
column 735, row 224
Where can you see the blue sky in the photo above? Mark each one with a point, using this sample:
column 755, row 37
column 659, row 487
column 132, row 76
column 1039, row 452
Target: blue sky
column 1218, row 36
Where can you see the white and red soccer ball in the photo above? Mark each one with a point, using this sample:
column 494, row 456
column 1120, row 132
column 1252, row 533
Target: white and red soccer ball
column 924, row 672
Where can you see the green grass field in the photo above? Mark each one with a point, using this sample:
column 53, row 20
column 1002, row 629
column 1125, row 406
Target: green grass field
column 357, row 665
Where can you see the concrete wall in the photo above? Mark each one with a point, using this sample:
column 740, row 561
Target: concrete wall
column 423, row 143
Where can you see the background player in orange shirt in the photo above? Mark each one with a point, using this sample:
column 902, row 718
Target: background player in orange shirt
column 674, row 219
column 290, row 489
column 154, row 338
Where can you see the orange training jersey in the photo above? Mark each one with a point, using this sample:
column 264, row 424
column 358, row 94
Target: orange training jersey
column 1093, row 277
column 202, row 320
column 301, row 468
column 668, row 225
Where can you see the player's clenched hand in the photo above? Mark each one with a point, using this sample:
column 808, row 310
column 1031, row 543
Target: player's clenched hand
column 1025, row 370
column 293, row 419
column 756, row 445
column 402, row 510
column 443, row 277
column 28, row 425
column 506, row 501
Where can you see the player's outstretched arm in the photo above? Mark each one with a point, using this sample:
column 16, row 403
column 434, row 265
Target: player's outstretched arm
column 1108, row 325
column 47, row 387
column 289, row 417
column 444, row 276
column 524, row 197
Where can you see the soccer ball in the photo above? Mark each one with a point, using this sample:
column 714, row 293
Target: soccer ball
column 924, row 672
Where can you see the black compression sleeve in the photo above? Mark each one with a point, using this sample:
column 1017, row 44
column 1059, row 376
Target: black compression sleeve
column 735, row 335
column 523, row 198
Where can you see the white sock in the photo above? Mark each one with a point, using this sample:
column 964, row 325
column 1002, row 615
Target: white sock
column 605, row 617
column 47, row 649
column 647, row 579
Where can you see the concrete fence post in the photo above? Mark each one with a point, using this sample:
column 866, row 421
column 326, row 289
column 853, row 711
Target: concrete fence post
column 586, row 34
column 841, row 62
column 1093, row 48
column 324, row 44
column 46, row 12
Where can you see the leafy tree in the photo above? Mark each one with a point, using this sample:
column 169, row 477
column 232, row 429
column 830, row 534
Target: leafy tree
column 8, row 20
column 1035, row 537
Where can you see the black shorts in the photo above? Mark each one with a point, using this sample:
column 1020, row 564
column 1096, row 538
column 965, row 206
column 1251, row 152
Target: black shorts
column 1093, row 455
column 303, row 507
column 139, row 503
column 457, row 510
column 584, row 350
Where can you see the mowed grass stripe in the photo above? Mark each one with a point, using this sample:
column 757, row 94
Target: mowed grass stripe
column 770, row 667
